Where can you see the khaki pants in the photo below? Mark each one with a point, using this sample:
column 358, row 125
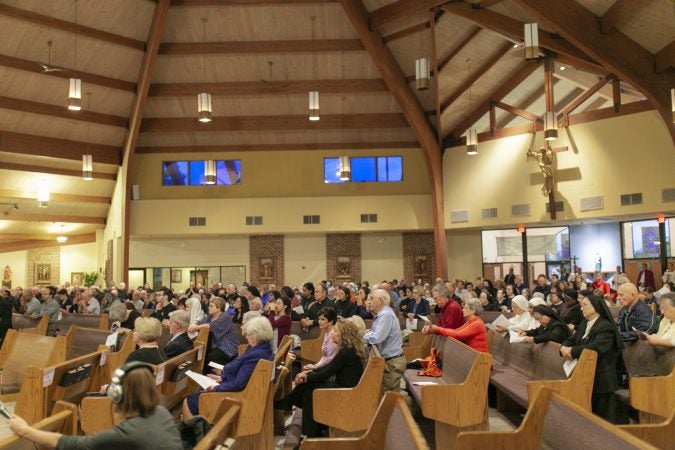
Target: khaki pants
column 393, row 372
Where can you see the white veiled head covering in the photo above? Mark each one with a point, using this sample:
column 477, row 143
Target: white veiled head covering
column 196, row 313
column 521, row 302
column 537, row 301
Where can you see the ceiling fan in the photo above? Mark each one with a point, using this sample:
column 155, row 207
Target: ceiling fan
column 46, row 68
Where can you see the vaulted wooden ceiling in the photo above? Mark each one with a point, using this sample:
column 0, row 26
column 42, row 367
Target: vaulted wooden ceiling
column 260, row 58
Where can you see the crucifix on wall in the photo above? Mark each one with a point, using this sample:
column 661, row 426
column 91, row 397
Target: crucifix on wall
column 545, row 158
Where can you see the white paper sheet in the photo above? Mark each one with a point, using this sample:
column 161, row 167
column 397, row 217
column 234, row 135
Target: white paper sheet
column 425, row 318
column 215, row 365
column 111, row 340
column 569, row 366
column 411, row 324
column 514, row 337
column 201, row 380
column 501, row 321
column 424, row 383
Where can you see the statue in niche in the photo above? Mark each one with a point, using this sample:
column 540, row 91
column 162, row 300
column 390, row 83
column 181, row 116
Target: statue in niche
column 7, row 277
column 544, row 159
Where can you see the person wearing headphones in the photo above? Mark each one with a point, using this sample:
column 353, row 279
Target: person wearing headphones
column 144, row 423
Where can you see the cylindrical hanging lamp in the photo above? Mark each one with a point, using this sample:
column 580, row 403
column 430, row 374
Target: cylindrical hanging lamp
column 314, row 105
column 204, row 107
column 471, row 142
column 87, row 167
column 210, row 172
column 75, row 94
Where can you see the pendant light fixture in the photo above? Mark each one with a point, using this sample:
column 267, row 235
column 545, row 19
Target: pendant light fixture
column 422, row 74
column 210, row 172
column 550, row 126
column 345, row 168
column 75, row 86
column 314, row 95
column 43, row 194
column 204, row 107
column 471, row 134
column 87, row 159
column 531, row 31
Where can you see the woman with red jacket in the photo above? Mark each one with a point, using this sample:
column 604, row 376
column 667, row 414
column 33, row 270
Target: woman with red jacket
column 473, row 332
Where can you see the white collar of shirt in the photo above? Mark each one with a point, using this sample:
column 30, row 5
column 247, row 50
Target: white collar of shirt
column 176, row 335
column 589, row 325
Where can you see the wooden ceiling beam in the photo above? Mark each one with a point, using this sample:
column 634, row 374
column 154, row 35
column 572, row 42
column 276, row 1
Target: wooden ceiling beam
column 620, row 10
column 608, row 113
column 513, row 29
column 280, row 122
column 64, row 198
column 269, row 87
column 487, row 65
column 458, row 48
column 665, row 58
column 264, row 47
column 524, row 104
column 398, row 10
column 39, row 243
column 144, row 79
column 413, row 112
column 70, row 27
column 245, row 2
column 585, row 96
column 406, row 32
column 524, row 71
column 488, row 3
column 517, row 111
column 615, row 51
column 54, row 218
column 26, row 237
column 28, row 144
column 55, row 171
column 62, row 112
column 34, row 66
column 280, row 147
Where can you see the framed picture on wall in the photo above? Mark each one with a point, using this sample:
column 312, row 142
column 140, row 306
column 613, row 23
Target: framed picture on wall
column 266, row 269
column 43, row 273
column 421, row 267
column 176, row 276
column 76, row 278
column 343, row 268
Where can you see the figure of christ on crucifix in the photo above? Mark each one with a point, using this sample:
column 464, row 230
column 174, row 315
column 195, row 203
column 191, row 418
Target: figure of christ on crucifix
column 544, row 159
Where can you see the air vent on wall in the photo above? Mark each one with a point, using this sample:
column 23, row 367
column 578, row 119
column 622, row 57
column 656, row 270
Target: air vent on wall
column 631, row 199
column 591, row 203
column 197, row 221
column 488, row 213
column 559, row 207
column 311, row 220
column 668, row 195
column 254, row 220
column 459, row 216
column 520, row 210
column 368, row 218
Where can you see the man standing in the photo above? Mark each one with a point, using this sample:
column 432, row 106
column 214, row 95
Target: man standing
column 633, row 314
column 451, row 315
column 645, row 278
column 180, row 341
column 386, row 335
column 510, row 277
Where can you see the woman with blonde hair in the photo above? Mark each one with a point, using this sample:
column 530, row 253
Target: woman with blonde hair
column 344, row 371
column 146, row 332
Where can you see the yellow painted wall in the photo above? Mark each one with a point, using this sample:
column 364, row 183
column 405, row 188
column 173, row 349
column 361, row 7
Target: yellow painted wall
column 623, row 155
column 114, row 230
column 77, row 258
column 285, row 174
column 464, row 254
column 304, row 258
column 381, row 256
column 280, row 215
column 17, row 263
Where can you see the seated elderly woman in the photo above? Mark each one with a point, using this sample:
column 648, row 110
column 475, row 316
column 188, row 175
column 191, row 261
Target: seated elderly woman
column 223, row 336
column 521, row 320
column 473, row 332
column 552, row 327
column 123, row 317
column 344, row 371
column 142, row 421
column 147, row 331
column 235, row 375
column 665, row 336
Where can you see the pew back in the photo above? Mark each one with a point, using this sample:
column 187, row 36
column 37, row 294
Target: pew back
column 63, row 420
column 29, row 324
column 95, row 321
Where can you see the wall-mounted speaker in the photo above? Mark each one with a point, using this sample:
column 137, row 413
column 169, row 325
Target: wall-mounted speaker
column 135, row 192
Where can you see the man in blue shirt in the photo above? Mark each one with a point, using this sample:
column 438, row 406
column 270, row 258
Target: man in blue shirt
column 386, row 335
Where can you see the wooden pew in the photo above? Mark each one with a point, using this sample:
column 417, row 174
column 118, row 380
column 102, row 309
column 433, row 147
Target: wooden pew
column 97, row 412
column 22, row 350
column 95, row 321
column 255, row 427
column 419, row 346
column 660, row 435
column 392, row 428
column 30, row 325
column 459, row 401
column 554, row 422
column 653, row 397
column 310, row 349
column 81, row 341
column 63, row 420
column 347, row 411
column 42, row 387
column 224, row 431
column 519, row 370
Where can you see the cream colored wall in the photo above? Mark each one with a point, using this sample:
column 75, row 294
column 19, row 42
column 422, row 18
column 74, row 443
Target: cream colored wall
column 280, row 215
column 623, row 155
column 381, row 257
column 77, row 258
column 185, row 252
column 304, row 258
column 17, row 262
column 286, row 173
column 465, row 259
column 114, row 229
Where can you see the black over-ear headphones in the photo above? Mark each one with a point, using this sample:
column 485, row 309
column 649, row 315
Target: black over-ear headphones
column 115, row 391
